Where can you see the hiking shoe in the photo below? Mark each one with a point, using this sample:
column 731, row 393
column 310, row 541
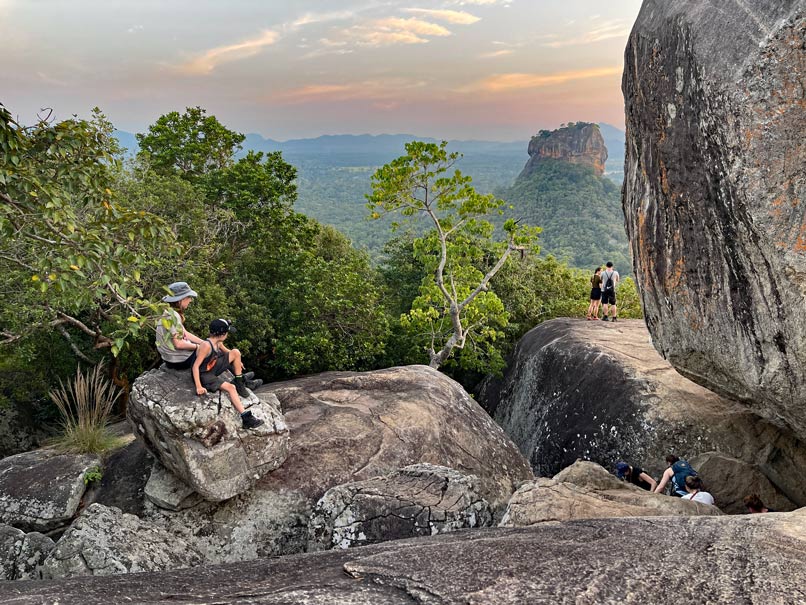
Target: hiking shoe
column 252, row 384
column 240, row 386
column 249, row 421
column 613, row 319
column 605, row 318
column 248, row 376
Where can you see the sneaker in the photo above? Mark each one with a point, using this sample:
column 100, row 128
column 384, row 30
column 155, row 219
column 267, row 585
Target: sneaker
column 605, row 318
column 249, row 421
column 240, row 386
column 248, row 376
column 252, row 384
column 613, row 319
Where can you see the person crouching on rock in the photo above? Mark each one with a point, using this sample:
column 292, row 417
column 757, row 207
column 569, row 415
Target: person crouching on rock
column 175, row 344
column 213, row 359
column 636, row 476
column 755, row 505
column 696, row 492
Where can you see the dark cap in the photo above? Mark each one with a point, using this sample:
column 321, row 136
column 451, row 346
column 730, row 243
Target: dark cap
column 621, row 469
column 219, row 327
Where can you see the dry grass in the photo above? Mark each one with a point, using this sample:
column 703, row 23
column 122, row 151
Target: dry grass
column 85, row 404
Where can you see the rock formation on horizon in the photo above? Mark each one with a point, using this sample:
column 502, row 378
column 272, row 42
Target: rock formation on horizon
column 715, row 194
column 579, row 143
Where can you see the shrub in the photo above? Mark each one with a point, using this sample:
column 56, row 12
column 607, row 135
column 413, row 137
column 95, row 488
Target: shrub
column 85, row 403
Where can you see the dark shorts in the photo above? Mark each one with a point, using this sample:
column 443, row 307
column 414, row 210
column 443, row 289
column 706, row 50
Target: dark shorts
column 608, row 298
column 182, row 365
column 212, row 380
column 596, row 293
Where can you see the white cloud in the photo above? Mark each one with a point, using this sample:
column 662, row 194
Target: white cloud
column 607, row 30
column 497, row 53
column 134, row 29
column 206, row 62
column 393, row 30
column 456, row 17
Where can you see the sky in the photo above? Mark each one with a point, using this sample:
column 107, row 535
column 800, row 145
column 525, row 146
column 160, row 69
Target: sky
column 453, row 69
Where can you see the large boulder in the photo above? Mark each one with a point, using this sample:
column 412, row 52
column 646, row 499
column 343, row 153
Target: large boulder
column 200, row 439
column 737, row 479
column 41, row 490
column 21, row 554
column 754, row 559
column 18, row 431
column 348, row 427
column 577, row 389
column 587, row 491
column 419, row 500
column 168, row 491
column 714, row 194
column 105, row 541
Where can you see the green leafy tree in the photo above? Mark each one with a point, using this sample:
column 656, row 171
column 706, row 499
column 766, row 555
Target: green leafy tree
column 455, row 308
column 192, row 143
column 72, row 256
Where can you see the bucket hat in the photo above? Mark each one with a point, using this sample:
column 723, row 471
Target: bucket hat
column 178, row 291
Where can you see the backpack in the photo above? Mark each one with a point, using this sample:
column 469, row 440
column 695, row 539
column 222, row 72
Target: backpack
column 681, row 470
column 610, row 284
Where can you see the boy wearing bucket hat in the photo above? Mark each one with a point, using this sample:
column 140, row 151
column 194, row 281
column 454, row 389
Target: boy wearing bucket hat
column 175, row 344
column 212, row 360
column 635, row 475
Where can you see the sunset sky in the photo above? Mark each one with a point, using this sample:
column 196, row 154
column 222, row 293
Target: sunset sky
column 484, row 69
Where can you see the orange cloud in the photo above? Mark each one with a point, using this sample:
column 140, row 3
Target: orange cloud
column 520, row 81
column 209, row 60
column 449, row 16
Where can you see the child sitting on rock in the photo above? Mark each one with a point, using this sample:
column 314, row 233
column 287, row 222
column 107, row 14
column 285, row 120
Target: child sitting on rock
column 212, row 360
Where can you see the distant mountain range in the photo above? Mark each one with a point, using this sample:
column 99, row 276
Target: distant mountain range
column 334, row 171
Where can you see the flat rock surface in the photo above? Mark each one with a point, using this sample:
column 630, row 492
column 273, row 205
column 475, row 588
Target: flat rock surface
column 601, row 392
column 754, row 559
column 41, row 490
column 714, row 194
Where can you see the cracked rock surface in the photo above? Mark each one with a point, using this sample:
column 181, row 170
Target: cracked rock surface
column 204, row 446
column 346, row 427
column 419, row 500
column 41, row 490
column 601, row 392
column 21, row 553
column 753, row 559
column 105, row 541
column 585, row 490
column 715, row 194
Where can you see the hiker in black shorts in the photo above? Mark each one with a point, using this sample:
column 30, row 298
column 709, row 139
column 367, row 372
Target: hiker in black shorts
column 212, row 360
column 636, row 476
column 610, row 279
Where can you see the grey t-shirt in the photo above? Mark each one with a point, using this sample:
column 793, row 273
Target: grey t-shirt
column 164, row 339
column 607, row 276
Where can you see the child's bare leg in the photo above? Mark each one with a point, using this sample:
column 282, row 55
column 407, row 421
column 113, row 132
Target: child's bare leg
column 235, row 360
column 230, row 390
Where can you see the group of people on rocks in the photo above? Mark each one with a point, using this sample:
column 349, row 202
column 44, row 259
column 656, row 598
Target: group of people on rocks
column 207, row 359
column 683, row 482
column 603, row 292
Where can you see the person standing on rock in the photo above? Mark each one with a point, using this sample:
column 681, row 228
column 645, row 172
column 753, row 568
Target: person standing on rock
column 212, row 360
column 175, row 344
column 636, row 476
column 596, row 294
column 610, row 279
column 676, row 473
column 695, row 491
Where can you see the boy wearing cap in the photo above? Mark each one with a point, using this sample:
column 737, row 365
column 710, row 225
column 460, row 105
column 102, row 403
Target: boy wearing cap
column 635, row 475
column 175, row 344
column 212, row 359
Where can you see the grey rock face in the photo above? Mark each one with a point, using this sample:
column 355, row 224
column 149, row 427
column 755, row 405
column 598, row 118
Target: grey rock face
column 350, row 427
column 577, row 389
column 166, row 490
column 21, row 553
column 104, row 541
column 41, row 490
column 579, row 144
column 208, row 449
column 754, row 559
column 714, row 194
column 17, row 432
column 419, row 500
column 738, row 479
column 587, row 491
